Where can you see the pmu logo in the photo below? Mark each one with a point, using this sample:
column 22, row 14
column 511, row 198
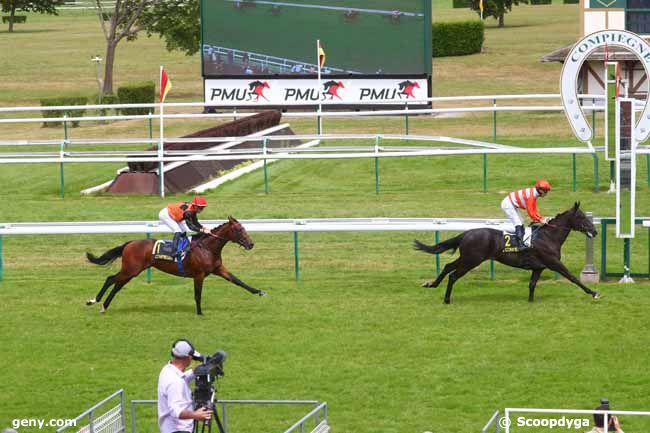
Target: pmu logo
column 331, row 89
column 404, row 90
column 407, row 87
column 250, row 93
column 256, row 90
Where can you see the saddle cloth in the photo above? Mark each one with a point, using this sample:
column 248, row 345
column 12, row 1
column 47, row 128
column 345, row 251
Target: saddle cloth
column 163, row 250
column 509, row 236
column 528, row 231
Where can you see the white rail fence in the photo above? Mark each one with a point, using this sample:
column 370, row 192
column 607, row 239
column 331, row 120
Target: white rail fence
column 107, row 416
column 314, row 421
column 294, row 226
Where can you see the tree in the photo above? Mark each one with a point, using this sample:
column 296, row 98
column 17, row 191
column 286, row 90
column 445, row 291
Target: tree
column 495, row 8
column 38, row 6
column 124, row 21
column 177, row 22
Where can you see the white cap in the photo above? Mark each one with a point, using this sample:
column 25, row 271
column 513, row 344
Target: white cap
column 183, row 349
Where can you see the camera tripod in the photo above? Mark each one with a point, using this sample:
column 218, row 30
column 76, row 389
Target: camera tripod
column 200, row 426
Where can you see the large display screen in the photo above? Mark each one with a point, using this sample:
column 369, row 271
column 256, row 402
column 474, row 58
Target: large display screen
column 359, row 37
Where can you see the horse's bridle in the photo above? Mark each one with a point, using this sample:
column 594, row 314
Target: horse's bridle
column 225, row 239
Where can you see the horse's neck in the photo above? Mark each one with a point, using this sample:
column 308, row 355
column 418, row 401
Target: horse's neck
column 213, row 245
column 560, row 232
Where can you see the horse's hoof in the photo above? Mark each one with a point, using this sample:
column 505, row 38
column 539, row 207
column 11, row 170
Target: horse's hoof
column 427, row 284
column 596, row 295
column 91, row 302
column 103, row 310
column 447, row 301
column 262, row 293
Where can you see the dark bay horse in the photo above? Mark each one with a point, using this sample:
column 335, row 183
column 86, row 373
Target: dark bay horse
column 478, row 245
column 203, row 259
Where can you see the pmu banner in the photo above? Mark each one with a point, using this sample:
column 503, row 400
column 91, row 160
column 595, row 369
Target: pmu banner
column 343, row 91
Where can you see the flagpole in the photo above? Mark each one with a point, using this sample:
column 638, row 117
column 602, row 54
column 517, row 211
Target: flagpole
column 320, row 107
column 161, row 166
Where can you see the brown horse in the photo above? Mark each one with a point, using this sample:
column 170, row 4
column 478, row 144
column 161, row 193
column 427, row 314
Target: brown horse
column 203, row 259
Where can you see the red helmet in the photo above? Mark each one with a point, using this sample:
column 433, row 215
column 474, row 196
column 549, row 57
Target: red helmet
column 200, row 201
column 543, row 185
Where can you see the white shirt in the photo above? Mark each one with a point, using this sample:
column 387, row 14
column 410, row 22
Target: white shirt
column 174, row 396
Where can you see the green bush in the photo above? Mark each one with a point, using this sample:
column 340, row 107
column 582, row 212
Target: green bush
column 571, row 2
column 458, row 38
column 17, row 19
column 60, row 101
column 138, row 93
column 109, row 98
column 541, row 2
column 458, row 4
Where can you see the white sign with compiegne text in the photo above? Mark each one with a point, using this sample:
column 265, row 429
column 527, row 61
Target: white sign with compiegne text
column 571, row 69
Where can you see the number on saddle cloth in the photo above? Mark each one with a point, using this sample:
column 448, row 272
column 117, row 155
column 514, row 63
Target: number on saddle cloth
column 530, row 234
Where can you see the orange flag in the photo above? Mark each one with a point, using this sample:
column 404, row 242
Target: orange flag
column 165, row 84
column 321, row 55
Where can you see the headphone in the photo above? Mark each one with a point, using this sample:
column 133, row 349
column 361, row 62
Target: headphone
column 192, row 350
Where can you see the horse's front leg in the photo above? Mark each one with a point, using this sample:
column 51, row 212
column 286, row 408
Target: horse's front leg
column 532, row 283
column 198, row 289
column 557, row 266
column 227, row 275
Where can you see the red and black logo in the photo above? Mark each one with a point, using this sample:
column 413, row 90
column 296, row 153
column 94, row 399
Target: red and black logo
column 403, row 90
column 407, row 87
column 256, row 89
column 331, row 89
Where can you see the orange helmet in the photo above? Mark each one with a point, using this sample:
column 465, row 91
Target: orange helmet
column 543, row 185
column 199, row 201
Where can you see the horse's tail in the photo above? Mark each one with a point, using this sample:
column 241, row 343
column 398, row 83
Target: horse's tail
column 443, row 246
column 107, row 257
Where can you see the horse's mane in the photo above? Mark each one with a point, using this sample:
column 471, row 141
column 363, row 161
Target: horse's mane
column 561, row 214
column 201, row 236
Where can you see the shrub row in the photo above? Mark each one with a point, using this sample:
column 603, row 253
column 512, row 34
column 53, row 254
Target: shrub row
column 139, row 93
column 461, row 4
column 63, row 100
column 457, row 39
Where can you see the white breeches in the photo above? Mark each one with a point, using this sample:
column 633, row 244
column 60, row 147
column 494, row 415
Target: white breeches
column 512, row 212
column 175, row 227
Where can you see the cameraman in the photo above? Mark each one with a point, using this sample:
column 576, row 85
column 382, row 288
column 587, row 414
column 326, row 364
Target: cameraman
column 175, row 412
column 599, row 420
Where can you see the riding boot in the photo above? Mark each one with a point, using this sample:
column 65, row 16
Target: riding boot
column 519, row 235
column 175, row 242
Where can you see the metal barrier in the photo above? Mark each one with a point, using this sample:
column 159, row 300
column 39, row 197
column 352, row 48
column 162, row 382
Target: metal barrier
column 507, row 423
column 627, row 243
column 435, row 225
column 99, row 421
column 318, row 415
column 493, row 420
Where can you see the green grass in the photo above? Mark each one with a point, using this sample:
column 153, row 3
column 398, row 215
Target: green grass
column 357, row 330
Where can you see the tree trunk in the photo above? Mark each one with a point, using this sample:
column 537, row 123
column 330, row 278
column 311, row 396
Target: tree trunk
column 108, row 67
column 12, row 17
column 501, row 23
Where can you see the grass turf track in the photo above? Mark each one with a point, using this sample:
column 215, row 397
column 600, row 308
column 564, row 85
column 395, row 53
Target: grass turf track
column 356, row 330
